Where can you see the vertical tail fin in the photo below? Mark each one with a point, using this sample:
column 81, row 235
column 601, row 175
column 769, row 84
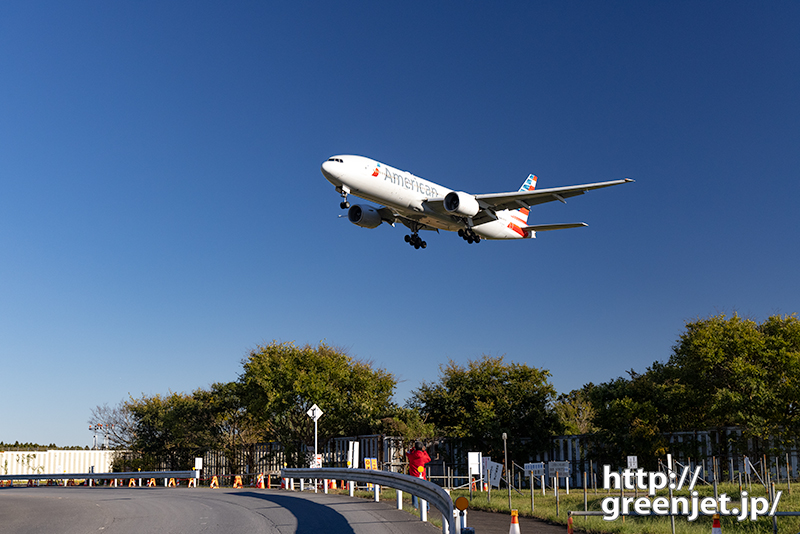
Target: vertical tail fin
column 529, row 185
column 521, row 215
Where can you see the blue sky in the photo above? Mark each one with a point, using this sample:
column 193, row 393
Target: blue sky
column 162, row 210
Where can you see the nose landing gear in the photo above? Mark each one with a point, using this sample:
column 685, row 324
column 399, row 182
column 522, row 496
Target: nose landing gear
column 344, row 204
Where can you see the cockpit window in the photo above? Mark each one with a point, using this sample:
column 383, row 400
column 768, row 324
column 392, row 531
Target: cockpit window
column 336, row 159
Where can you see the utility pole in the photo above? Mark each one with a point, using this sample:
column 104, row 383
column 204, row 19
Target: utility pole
column 508, row 480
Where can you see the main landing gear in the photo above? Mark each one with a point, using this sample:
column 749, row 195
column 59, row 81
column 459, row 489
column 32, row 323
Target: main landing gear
column 469, row 236
column 415, row 241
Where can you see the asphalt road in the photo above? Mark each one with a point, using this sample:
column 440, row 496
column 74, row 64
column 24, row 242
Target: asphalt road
column 82, row 510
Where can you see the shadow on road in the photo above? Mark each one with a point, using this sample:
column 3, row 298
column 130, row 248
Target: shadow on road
column 312, row 518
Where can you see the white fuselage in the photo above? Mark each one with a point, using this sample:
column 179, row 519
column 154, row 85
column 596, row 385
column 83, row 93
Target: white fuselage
column 406, row 193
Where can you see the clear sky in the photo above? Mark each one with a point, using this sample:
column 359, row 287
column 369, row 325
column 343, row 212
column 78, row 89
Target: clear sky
column 162, row 210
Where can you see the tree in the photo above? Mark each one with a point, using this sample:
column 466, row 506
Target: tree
column 406, row 423
column 480, row 401
column 118, row 424
column 237, row 429
column 174, row 428
column 281, row 382
column 722, row 372
column 741, row 374
column 575, row 412
column 628, row 421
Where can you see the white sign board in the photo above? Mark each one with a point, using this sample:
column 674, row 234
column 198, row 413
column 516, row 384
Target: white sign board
column 316, row 463
column 198, row 463
column 633, row 462
column 492, row 471
column 474, row 462
column 535, row 469
column 562, row 468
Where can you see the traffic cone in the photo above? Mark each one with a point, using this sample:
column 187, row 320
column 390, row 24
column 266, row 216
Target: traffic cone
column 514, row 523
column 260, row 484
column 569, row 525
column 716, row 528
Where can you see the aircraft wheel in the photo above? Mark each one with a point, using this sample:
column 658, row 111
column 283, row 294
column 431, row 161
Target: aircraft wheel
column 424, row 244
column 344, row 205
column 416, row 245
column 460, row 232
column 477, row 239
column 408, row 239
column 469, row 239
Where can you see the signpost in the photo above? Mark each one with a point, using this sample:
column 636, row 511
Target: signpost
column 315, row 412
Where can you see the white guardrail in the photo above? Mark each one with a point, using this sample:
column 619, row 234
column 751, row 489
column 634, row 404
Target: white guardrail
column 103, row 476
column 423, row 489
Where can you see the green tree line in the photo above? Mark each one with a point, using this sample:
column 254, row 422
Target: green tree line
column 721, row 372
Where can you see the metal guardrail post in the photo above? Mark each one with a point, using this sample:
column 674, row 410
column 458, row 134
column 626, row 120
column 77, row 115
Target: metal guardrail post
column 427, row 491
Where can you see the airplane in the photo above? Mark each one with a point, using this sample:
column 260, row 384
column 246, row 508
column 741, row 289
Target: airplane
column 422, row 205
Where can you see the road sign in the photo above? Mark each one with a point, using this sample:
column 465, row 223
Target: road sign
column 562, row 468
column 633, row 462
column 315, row 412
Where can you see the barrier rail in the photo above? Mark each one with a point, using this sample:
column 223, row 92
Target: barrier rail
column 103, row 476
column 423, row 489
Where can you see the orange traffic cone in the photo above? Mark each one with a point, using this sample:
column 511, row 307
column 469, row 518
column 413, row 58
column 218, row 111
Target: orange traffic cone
column 569, row 525
column 514, row 523
column 260, row 484
column 716, row 528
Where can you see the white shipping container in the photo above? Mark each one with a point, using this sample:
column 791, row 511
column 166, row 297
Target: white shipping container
column 55, row 462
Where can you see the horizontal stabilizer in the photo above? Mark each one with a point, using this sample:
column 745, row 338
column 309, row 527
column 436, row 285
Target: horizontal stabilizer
column 546, row 227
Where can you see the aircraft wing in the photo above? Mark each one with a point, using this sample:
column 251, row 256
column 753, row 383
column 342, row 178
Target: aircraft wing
column 526, row 199
column 391, row 216
column 546, row 227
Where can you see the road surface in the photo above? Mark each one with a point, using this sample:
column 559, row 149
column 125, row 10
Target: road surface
column 107, row 510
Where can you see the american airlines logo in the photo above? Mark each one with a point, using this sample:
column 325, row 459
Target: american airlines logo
column 409, row 182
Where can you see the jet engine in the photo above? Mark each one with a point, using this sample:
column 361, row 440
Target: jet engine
column 461, row 203
column 364, row 216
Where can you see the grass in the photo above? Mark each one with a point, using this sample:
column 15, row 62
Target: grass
column 545, row 509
